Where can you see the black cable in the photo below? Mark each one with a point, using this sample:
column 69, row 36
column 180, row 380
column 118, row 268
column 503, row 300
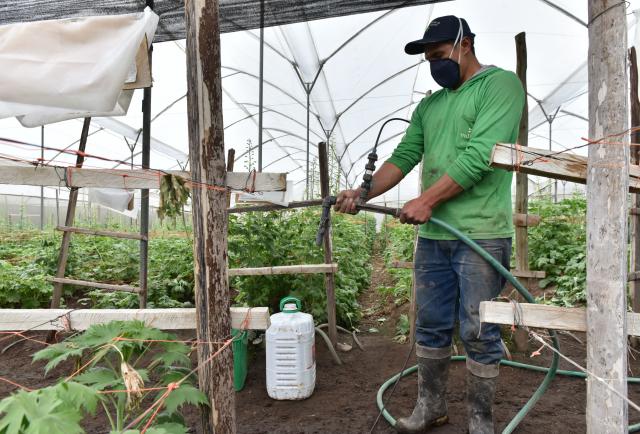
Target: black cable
column 367, row 177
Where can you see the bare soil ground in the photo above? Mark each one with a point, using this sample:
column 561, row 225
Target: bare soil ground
column 344, row 398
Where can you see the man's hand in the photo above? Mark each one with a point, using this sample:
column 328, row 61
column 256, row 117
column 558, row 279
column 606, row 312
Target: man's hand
column 416, row 212
column 346, row 201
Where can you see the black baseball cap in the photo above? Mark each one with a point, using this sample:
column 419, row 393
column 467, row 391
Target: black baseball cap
column 441, row 29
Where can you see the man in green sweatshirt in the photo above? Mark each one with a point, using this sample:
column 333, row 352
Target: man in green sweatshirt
column 452, row 132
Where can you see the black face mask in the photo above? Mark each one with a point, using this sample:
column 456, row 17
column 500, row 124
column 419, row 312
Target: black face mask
column 445, row 72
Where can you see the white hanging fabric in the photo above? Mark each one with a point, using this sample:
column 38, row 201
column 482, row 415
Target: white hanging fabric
column 63, row 69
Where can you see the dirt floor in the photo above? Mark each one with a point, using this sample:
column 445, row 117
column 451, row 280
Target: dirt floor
column 344, row 398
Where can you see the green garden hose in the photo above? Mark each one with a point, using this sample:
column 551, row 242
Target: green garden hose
column 550, row 372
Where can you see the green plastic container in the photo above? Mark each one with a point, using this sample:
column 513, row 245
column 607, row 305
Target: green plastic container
column 240, row 363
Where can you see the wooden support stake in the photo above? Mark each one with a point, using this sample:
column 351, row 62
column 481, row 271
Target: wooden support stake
column 254, row 318
column 522, row 187
column 635, row 199
column 329, row 279
column 206, row 152
column 105, row 286
column 607, row 187
column 71, row 212
column 99, row 233
column 285, row 269
column 544, row 316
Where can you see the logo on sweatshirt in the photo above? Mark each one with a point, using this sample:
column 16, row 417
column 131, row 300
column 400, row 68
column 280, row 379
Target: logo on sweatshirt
column 466, row 135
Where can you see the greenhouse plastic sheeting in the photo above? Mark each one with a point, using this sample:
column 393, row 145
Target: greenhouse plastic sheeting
column 64, row 69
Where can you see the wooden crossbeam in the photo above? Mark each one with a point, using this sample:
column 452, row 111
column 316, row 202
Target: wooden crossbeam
column 99, row 285
column 257, row 318
column 117, row 178
column 285, row 269
column 542, row 162
column 545, row 316
column 528, row 274
column 100, row 233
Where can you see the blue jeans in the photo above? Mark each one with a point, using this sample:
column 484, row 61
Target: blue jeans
column 451, row 281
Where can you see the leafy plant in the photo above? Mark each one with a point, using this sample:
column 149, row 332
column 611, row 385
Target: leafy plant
column 399, row 243
column 120, row 359
column 402, row 329
column 557, row 246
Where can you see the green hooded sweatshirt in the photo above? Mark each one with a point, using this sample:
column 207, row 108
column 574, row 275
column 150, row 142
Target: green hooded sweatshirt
column 453, row 132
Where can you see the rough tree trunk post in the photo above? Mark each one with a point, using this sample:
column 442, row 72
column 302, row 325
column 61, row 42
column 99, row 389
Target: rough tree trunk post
column 206, row 154
column 635, row 201
column 607, row 188
column 329, row 279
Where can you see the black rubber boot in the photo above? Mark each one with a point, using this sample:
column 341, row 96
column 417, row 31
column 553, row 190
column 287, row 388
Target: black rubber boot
column 431, row 406
column 480, row 395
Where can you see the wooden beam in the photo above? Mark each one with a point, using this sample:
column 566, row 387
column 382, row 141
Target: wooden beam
column 525, row 220
column 235, row 15
column 608, row 185
column 210, row 220
column 285, row 269
column 101, row 233
column 542, row 162
column 120, row 178
column 99, row 285
column 329, row 279
column 257, row 318
column 545, row 316
column 529, row 274
column 143, row 68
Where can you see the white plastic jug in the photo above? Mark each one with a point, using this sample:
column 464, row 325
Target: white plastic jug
column 291, row 358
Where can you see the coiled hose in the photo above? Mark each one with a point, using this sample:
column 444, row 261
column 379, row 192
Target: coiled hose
column 551, row 371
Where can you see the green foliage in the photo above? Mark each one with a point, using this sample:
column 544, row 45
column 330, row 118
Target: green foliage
column 55, row 409
column 119, row 357
column 402, row 329
column 399, row 240
column 276, row 238
column 255, row 240
column 558, row 247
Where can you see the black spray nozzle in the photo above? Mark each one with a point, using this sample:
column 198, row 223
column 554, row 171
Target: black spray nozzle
column 368, row 176
column 327, row 203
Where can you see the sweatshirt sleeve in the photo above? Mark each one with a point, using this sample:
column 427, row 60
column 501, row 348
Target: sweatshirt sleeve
column 497, row 119
column 409, row 151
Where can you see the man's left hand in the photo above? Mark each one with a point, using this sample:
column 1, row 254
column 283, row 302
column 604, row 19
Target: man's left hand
column 416, row 212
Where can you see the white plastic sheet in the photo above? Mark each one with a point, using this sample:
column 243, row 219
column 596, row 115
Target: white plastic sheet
column 115, row 199
column 64, row 69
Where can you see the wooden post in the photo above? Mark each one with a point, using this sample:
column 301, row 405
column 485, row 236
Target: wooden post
column 206, row 155
column 607, row 187
column 635, row 198
column 522, row 183
column 522, row 188
column 329, row 279
column 71, row 212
